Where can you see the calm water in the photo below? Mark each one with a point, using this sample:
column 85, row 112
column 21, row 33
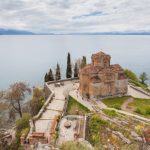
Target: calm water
column 27, row 58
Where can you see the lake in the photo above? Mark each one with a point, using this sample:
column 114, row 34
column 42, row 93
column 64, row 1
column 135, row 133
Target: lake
column 27, row 58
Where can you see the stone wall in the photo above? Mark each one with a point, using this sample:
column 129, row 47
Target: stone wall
column 47, row 91
column 31, row 121
column 63, row 80
column 49, row 94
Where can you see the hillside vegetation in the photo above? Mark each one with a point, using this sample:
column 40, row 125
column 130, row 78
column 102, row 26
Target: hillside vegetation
column 136, row 81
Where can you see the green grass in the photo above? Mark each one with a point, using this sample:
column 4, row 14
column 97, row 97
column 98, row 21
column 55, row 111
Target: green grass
column 94, row 124
column 75, row 107
column 141, row 106
column 110, row 113
column 115, row 102
column 73, row 146
column 139, row 84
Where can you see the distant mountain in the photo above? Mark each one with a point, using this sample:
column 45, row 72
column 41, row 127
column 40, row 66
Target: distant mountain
column 111, row 33
column 14, row 32
column 23, row 32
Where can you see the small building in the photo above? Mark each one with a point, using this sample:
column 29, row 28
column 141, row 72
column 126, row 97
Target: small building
column 100, row 79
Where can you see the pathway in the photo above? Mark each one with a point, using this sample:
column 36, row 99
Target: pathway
column 97, row 106
column 54, row 108
column 136, row 93
column 125, row 106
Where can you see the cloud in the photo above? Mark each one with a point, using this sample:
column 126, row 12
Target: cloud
column 63, row 16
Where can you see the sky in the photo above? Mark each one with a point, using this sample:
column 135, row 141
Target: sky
column 74, row 16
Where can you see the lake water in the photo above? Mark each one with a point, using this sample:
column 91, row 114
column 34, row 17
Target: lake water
column 28, row 58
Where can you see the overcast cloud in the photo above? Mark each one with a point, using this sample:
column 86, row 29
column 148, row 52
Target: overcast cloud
column 63, row 16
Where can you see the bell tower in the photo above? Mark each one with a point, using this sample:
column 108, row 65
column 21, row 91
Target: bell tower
column 101, row 59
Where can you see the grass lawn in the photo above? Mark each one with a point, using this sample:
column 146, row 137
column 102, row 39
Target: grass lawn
column 141, row 106
column 74, row 107
column 115, row 102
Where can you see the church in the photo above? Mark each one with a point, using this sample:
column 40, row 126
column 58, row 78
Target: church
column 100, row 79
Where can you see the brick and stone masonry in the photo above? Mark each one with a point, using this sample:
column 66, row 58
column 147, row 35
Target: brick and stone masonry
column 100, row 79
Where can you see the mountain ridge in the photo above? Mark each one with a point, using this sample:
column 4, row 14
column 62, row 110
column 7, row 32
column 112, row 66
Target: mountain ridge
column 25, row 32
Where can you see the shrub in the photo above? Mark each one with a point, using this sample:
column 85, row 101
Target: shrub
column 139, row 84
column 25, row 131
column 130, row 75
column 22, row 126
column 23, row 122
column 37, row 101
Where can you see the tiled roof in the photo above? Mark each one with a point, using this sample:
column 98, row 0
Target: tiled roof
column 116, row 68
column 100, row 54
column 90, row 69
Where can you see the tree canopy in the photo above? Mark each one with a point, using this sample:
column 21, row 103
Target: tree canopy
column 46, row 78
column 83, row 63
column 57, row 74
column 143, row 77
column 16, row 95
column 69, row 68
column 50, row 75
column 76, row 70
column 37, row 101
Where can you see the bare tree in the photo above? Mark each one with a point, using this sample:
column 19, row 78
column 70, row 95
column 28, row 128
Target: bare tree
column 16, row 95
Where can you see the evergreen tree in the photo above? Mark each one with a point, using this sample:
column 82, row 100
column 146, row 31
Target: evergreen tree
column 76, row 70
column 50, row 75
column 69, row 68
column 46, row 78
column 57, row 75
column 83, row 63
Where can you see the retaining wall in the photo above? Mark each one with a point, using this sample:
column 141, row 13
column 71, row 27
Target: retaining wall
column 49, row 94
column 63, row 80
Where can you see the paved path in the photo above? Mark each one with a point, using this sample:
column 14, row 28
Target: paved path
column 54, row 108
column 81, row 100
column 135, row 93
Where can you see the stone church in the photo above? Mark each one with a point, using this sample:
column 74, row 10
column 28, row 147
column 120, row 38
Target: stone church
column 100, row 79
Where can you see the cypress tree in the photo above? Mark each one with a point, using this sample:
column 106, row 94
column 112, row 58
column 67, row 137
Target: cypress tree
column 69, row 69
column 46, row 78
column 50, row 75
column 76, row 70
column 58, row 74
column 83, row 63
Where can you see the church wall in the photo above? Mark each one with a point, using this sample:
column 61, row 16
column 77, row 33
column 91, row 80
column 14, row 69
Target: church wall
column 84, row 85
column 108, row 81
